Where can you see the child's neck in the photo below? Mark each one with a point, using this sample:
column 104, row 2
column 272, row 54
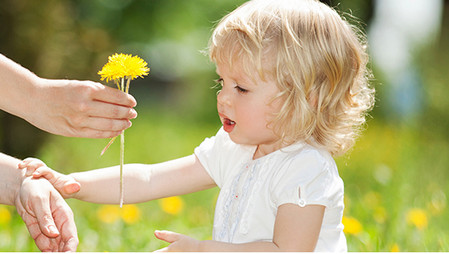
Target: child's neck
column 265, row 149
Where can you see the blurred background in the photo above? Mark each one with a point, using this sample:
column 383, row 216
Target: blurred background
column 395, row 177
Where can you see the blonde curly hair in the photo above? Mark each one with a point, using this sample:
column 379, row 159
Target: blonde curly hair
column 317, row 59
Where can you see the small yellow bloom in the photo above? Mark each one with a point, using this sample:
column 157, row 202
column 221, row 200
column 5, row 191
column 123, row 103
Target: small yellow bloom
column 108, row 213
column 172, row 205
column 130, row 214
column 5, row 215
column 123, row 66
column 417, row 217
column 395, row 248
column 380, row 214
column 352, row 225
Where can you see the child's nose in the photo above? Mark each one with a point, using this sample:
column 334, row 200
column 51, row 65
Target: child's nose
column 223, row 97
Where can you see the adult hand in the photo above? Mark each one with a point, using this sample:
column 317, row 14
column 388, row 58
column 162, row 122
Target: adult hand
column 47, row 216
column 79, row 108
column 66, row 185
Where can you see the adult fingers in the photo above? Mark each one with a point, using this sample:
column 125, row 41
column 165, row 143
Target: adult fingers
column 88, row 132
column 114, row 96
column 41, row 208
column 65, row 222
column 105, row 124
column 69, row 245
column 113, row 111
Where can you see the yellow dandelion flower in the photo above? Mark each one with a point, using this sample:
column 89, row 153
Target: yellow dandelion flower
column 5, row 215
column 108, row 213
column 417, row 217
column 171, row 205
column 395, row 248
column 123, row 66
column 130, row 214
column 352, row 225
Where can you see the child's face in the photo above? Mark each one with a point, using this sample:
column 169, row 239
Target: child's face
column 245, row 106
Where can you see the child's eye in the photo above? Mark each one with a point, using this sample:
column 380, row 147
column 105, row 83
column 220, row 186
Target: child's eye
column 219, row 82
column 240, row 89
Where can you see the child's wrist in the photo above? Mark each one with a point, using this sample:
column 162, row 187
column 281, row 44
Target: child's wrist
column 76, row 194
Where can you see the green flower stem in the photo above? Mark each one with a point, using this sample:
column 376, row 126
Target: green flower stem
column 122, row 148
column 122, row 160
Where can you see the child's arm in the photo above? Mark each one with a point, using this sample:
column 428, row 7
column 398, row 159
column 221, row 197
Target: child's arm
column 296, row 229
column 141, row 182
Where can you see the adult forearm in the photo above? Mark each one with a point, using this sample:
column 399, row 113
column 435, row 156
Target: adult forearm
column 10, row 179
column 17, row 84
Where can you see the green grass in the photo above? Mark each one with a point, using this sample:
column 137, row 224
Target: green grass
column 390, row 171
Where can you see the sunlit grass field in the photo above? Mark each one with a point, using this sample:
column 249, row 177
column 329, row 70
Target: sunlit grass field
column 395, row 189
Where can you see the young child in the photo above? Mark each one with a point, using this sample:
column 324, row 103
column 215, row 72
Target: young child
column 294, row 94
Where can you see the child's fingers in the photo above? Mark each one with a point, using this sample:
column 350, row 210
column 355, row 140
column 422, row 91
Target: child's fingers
column 31, row 164
column 44, row 172
column 167, row 236
column 72, row 187
column 162, row 250
column 22, row 165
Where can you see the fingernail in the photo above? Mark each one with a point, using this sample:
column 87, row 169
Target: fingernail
column 133, row 113
column 53, row 230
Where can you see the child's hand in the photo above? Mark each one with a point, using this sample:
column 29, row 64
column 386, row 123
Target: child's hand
column 66, row 185
column 178, row 242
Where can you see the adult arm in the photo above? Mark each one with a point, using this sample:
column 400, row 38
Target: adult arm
column 45, row 213
column 64, row 107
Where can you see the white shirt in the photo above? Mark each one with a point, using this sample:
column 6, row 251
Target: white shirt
column 252, row 190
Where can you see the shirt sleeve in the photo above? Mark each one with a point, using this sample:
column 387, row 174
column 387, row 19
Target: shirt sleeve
column 208, row 153
column 310, row 178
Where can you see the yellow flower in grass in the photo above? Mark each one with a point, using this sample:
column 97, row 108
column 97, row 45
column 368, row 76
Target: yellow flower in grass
column 108, row 213
column 395, row 248
column 352, row 225
column 5, row 215
column 417, row 217
column 172, row 205
column 130, row 214
column 123, row 66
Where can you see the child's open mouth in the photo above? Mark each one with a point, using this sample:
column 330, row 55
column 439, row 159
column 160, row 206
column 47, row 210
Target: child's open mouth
column 228, row 124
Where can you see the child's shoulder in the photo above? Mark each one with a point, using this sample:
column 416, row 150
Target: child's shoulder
column 309, row 172
column 305, row 162
column 301, row 153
